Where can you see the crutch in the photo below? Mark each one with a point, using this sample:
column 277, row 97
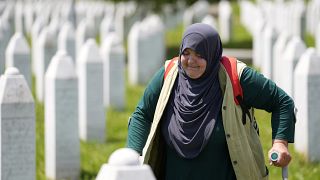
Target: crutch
column 274, row 157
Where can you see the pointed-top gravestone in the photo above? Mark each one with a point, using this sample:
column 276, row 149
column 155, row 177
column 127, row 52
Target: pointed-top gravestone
column 91, row 109
column 62, row 144
column 306, row 93
column 5, row 34
column 17, row 129
column 146, row 41
column 37, row 27
column 269, row 39
column 278, row 50
column 18, row 55
column 85, row 31
column 113, row 54
column 47, row 48
column 318, row 39
column 258, row 43
column 298, row 18
column 290, row 58
column 106, row 27
column 210, row 20
column 225, row 20
column 123, row 165
column 66, row 40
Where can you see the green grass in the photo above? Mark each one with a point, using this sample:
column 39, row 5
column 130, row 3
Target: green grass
column 309, row 40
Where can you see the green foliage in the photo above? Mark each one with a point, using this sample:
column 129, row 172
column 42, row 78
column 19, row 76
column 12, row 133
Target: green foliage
column 309, row 40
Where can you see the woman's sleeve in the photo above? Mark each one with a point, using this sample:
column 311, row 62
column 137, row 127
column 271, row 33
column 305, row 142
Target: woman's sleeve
column 141, row 119
column 262, row 93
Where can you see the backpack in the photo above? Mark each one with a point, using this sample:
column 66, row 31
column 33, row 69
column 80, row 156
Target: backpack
column 230, row 64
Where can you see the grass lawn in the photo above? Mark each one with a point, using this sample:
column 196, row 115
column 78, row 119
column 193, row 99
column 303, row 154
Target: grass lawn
column 93, row 155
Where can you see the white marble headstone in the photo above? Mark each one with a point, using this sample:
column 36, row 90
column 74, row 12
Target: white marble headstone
column 66, row 40
column 62, row 143
column 258, row 43
column 306, row 93
column 5, row 35
column 210, row 20
column 113, row 54
column 124, row 165
column 92, row 121
column 17, row 130
column 18, row 55
column 146, row 49
column 291, row 56
column 37, row 27
column 278, row 52
column 269, row 39
column 47, row 49
column 85, row 31
column 225, row 20
column 106, row 26
column 317, row 38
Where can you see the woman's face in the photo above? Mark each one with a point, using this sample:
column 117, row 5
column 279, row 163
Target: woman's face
column 193, row 64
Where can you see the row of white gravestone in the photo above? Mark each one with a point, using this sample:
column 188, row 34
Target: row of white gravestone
column 200, row 12
column 313, row 16
column 283, row 16
column 296, row 69
column 17, row 129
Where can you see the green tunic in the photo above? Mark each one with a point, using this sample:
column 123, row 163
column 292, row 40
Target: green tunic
column 214, row 161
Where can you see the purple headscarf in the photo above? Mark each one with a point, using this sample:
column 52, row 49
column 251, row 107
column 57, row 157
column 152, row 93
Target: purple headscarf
column 195, row 104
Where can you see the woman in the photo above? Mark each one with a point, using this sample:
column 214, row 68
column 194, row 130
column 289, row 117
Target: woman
column 189, row 126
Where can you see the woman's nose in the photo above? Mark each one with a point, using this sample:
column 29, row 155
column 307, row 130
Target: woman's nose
column 191, row 58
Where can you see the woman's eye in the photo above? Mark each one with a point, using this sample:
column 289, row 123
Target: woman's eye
column 199, row 56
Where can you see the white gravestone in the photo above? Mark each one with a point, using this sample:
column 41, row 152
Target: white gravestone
column 37, row 27
column 29, row 17
column 106, row 26
column 124, row 165
column 85, row 31
column 19, row 17
column 269, row 39
column 92, row 121
column 146, row 49
column 292, row 54
column 225, row 20
column 47, row 49
column 259, row 27
column 17, row 132
column 66, row 40
column 299, row 18
column 113, row 54
column 200, row 10
column 210, row 20
column 62, row 144
column 306, row 93
column 278, row 51
column 5, row 35
column 318, row 39
column 18, row 55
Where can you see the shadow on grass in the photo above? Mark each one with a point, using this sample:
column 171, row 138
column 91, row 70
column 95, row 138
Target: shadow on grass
column 87, row 175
